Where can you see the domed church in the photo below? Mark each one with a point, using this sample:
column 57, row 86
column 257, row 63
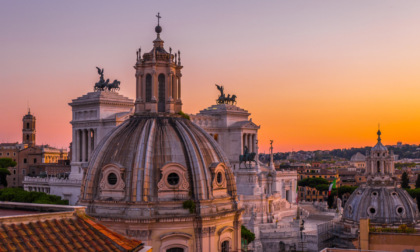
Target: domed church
column 158, row 177
column 380, row 200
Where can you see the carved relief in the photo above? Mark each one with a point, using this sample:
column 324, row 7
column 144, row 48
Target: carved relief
column 174, row 183
column 219, row 182
column 112, row 183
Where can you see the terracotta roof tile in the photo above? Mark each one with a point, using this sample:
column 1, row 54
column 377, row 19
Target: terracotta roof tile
column 78, row 233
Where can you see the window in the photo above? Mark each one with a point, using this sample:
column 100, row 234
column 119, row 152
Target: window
column 14, row 153
column 14, row 171
column 27, row 137
column 25, row 161
column 148, row 88
column 23, row 171
column 112, row 178
column 7, row 154
column 34, row 160
column 1, row 154
column 173, row 179
column 27, row 125
column 225, row 246
column 161, row 104
column 219, row 177
column 175, row 250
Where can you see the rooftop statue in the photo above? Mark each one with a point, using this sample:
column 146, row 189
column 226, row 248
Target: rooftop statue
column 102, row 85
column 247, row 157
column 223, row 99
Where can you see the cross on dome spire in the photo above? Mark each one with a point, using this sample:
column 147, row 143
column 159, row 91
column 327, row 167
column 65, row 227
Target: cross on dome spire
column 158, row 17
column 379, row 133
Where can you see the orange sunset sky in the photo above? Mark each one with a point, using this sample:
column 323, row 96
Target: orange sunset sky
column 314, row 74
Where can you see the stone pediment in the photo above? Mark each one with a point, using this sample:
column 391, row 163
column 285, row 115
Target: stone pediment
column 245, row 125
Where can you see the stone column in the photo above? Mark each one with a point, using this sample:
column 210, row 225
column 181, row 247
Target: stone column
column 174, row 87
column 155, row 86
column 179, row 87
column 83, row 135
column 74, row 146
column 138, row 86
column 95, row 138
column 80, row 144
column 170, row 86
column 89, row 143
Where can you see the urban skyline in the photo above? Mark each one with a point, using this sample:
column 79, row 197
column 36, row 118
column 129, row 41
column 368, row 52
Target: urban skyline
column 314, row 75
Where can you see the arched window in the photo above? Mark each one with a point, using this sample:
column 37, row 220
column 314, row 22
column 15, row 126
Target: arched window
column 378, row 167
column 27, row 125
column 161, row 104
column 27, row 137
column 148, row 88
column 282, row 247
column 225, row 246
column 175, row 250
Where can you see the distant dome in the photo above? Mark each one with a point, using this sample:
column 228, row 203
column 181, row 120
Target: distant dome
column 382, row 205
column 155, row 159
column 358, row 157
column 380, row 199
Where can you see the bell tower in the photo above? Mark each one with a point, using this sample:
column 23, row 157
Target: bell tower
column 380, row 163
column 28, row 129
column 158, row 78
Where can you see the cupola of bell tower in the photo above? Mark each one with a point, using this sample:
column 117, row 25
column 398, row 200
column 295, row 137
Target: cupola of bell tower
column 158, row 78
column 28, row 129
column 380, row 162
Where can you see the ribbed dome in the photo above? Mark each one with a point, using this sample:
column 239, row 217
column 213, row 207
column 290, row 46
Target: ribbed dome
column 379, row 147
column 382, row 205
column 151, row 159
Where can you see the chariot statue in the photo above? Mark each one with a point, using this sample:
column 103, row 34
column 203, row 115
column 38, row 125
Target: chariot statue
column 223, row 99
column 103, row 85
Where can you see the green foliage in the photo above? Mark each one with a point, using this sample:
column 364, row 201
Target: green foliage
column 313, row 182
column 399, row 166
column 418, row 181
column 190, row 205
column 404, row 180
column 247, row 235
column 345, row 189
column 184, row 115
column 401, row 229
column 7, row 162
column 322, row 187
column 4, row 172
column 20, row 195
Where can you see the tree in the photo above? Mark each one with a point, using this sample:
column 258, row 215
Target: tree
column 247, row 235
column 418, row 201
column 404, row 180
column 7, row 162
column 418, row 181
column 4, row 172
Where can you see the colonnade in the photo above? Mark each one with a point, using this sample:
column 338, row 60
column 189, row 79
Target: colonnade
column 250, row 141
column 84, row 144
column 381, row 166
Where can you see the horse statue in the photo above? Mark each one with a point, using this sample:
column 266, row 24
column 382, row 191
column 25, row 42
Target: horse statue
column 247, row 157
column 114, row 85
column 101, row 85
column 232, row 100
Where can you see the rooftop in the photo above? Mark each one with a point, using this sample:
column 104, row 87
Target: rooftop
column 36, row 227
